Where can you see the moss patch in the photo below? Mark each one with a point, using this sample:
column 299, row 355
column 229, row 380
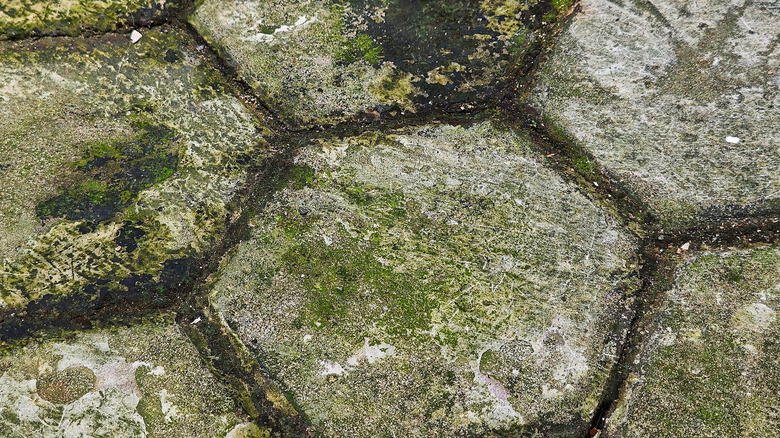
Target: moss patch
column 110, row 175
column 389, row 262
column 709, row 362
column 21, row 18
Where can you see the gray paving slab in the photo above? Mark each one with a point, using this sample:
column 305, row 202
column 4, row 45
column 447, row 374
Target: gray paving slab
column 117, row 162
column 322, row 62
column 438, row 280
column 709, row 366
column 141, row 381
column 677, row 100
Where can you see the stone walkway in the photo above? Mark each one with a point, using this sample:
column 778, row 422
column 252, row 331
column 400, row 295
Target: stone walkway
column 389, row 218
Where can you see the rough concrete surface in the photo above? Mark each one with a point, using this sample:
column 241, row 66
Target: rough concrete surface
column 141, row 381
column 438, row 276
column 389, row 218
column 320, row 62
column 710, row 364
column 677, row 100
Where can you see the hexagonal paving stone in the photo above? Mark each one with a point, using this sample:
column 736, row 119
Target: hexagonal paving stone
column 710, row 365
column 24, row 18
column 678, row 100
column 432, row 281
column 326, row 61
column 117, row 161
column 143, row 381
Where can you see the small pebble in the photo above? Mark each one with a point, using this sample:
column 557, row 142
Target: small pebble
column 135, row 36
column 733, row 140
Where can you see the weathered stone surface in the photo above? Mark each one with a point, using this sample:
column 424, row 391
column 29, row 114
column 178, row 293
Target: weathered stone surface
column 678, row 100
column 324, row 61
column 117, row 161
column 142, row 381
column 432, row 281
column 21, row 18
column 710, row 365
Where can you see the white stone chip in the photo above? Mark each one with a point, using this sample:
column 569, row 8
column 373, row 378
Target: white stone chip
column 135, row 36
column 732, row 140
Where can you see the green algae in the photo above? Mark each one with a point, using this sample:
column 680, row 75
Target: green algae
column 110, row 175
column 153, row 149
column 709, row 363
column 22, row 18
column 389, row 265
column 337, row 277
column 370, row 57
column 360, row 47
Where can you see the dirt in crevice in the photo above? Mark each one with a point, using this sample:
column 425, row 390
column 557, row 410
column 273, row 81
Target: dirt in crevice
column 252, row 388
column 661, row 250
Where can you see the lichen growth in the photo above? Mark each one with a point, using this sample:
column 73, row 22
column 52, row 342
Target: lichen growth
column 68, row 385
column 140, row 146
column 709, row 362
column 397, row 261
column 145, row 380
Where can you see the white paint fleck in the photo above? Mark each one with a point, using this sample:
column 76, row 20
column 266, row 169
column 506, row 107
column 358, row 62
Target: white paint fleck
column 733, row 140
column 262, row 37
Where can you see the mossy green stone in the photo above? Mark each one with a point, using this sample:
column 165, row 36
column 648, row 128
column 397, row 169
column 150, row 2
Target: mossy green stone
column 117, row 162
column 146, row 380
column 322, row 62
column 25, row 18
column 709, row 365
column 432, row 281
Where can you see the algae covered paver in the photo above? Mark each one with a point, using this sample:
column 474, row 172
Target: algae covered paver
column 117, row 163
column 432, row 281
column 146, row 380
column 321, row 62
column 24, row 18
column 678, row 100
column 710, row 364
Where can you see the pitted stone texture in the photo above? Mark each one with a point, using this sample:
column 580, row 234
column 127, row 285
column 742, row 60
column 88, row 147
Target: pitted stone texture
column 117, row 162
column 24, row 18
column 710, row 365
column 432, row 281
column 678, row 100
column 142, row 381
column 320, row 62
